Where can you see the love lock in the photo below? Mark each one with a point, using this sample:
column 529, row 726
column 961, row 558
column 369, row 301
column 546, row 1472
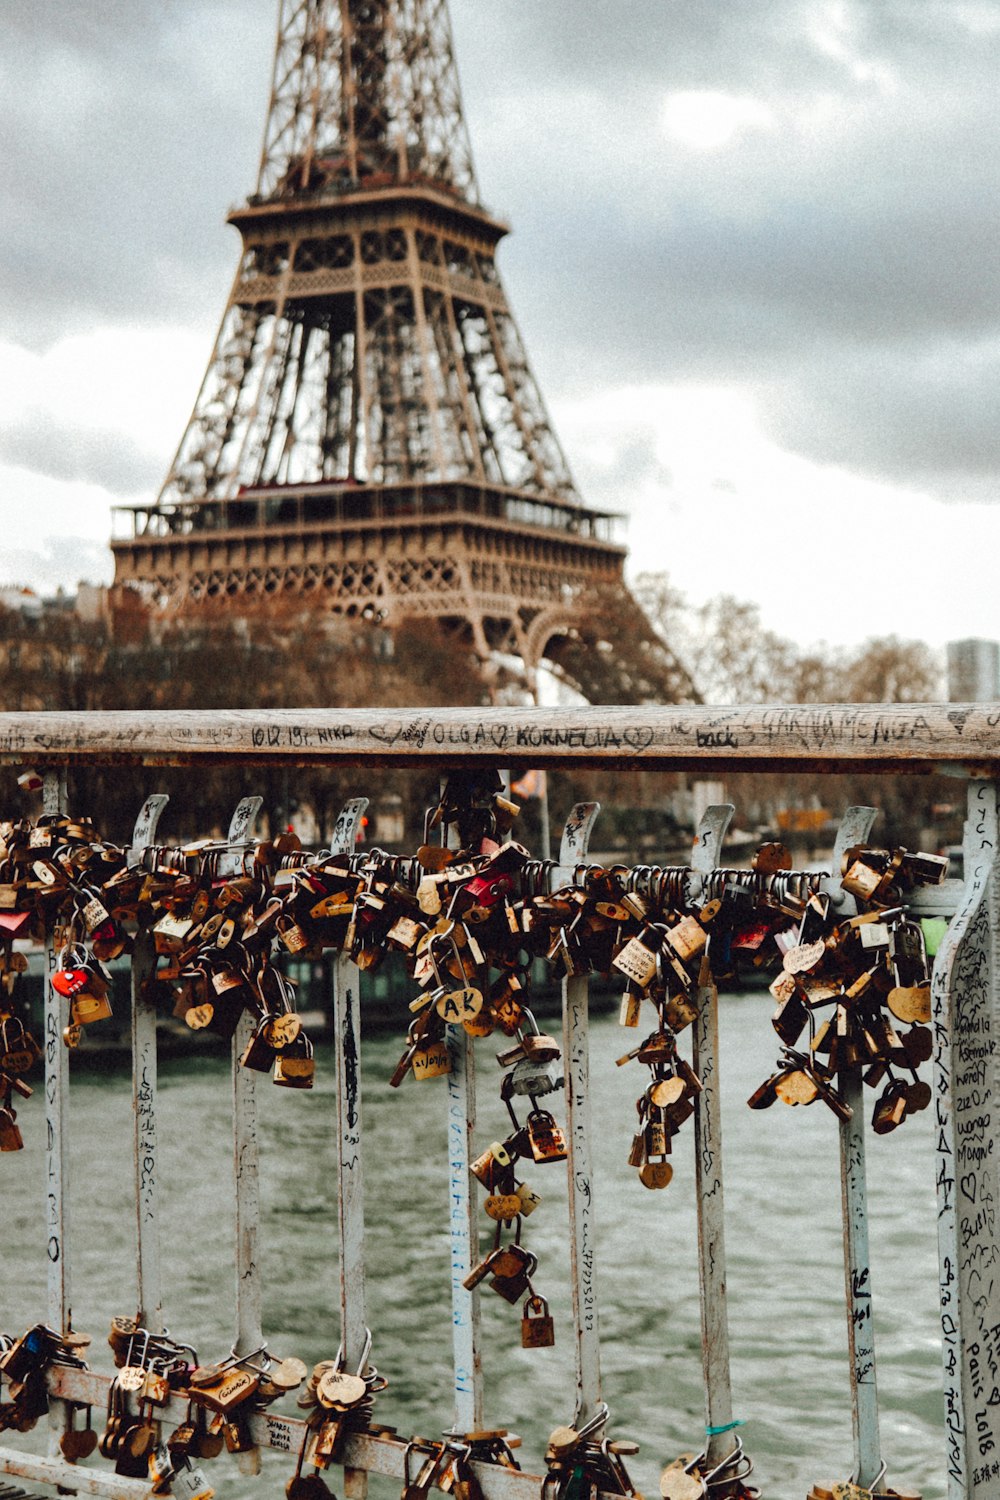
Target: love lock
column 532, row 1079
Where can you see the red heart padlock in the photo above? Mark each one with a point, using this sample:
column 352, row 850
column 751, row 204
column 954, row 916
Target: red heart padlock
column 69, row 982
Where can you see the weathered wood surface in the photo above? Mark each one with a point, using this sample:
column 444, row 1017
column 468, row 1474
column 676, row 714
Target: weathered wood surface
column 915, row 737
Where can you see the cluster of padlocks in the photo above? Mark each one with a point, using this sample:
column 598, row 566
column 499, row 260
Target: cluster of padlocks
column 468, row 917
column 468, row 923
column 151, row 1370
column 222, row 1398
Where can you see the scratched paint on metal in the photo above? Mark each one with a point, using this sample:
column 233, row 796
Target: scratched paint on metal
column 56, row 1111
column 581, row 1197
column 243, row 819
column 144, row 1085
column 855, row 827
column 464, row 1232
column 966, row 1039
column 351, row 1197
column 706, row 852
column 573, row 849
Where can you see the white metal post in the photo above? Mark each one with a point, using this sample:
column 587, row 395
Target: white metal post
column 59, row 1300
column 150, row 1299
column 579, row 1166
column 855, row 827
column 246, row 1163
column 720, row 1440
column 350, row 1157
column 463, row 1223
column 966, row 992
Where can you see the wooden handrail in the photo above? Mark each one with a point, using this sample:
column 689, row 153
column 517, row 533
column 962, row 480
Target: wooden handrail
column 955, row 738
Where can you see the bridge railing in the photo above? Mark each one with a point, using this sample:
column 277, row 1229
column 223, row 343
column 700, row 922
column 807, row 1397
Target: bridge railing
column 961, row 740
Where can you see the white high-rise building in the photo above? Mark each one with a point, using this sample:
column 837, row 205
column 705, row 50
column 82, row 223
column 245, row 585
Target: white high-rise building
column 973, row 671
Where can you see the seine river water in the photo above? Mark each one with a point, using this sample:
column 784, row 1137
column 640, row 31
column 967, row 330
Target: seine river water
column 786, row 1278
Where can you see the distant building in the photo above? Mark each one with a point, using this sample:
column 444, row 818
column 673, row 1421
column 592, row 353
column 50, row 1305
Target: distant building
column 973, row 671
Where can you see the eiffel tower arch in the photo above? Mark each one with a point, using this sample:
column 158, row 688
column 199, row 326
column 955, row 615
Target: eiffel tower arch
column 369, row 437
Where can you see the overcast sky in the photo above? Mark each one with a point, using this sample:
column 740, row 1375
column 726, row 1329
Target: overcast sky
column 754, row 261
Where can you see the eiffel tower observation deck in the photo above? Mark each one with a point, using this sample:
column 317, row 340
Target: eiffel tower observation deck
column 369, row 437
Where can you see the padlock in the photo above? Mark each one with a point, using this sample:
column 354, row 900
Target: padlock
column 10, row 1135
column 687, row 937
column 258, row 1055
column 71, row 974
column 537, row 1045
column 636, row 960
column 790, row 1019
column 512, row 1270
column 503, row 1206
column 537, row 1328
column 532, row 1079
column 18, row 1048
column 221, row 1392
column 529, row 1199
column 281, row 1030
column 93, row 911
column 657, row 1141
column 630, row 1010
column 457, row 1006
column 890, row 1108
column 861, row 880
column 236, row 1435
column 485, row 1168
column 431, row 1060
column 545, row 1138
column 292, row 936
column 295, row 1067
column 190, row 1483
column 87, row 1007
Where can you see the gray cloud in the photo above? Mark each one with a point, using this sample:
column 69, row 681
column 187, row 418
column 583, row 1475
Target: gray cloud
column 58, row 450
column 839, row 266
column 65, row 559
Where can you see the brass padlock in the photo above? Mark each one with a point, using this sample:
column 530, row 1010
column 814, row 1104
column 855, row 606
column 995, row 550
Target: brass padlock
column 657, row 1141
column 890, row 1109
column 687, row 937
column 223, row 1391
column 10, row 1135
column 545, row 1138
column 431, row 1060
column 291, row 934
column 512, row 1271
column 258, row 1055
column 487, row 1167
column 295, row 1068
column 637, row 960
column 537, row 1328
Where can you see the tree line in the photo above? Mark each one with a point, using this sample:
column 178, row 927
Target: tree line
column 287, row 657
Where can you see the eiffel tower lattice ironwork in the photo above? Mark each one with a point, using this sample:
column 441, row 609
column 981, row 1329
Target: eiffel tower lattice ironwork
column 368, row 433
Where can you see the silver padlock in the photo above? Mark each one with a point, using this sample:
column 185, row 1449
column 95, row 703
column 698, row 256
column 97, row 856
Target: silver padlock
column 533, row 1079
column 190, row 1483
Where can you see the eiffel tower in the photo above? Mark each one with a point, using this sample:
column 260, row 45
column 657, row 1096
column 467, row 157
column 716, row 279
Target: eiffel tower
column 369, row 436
